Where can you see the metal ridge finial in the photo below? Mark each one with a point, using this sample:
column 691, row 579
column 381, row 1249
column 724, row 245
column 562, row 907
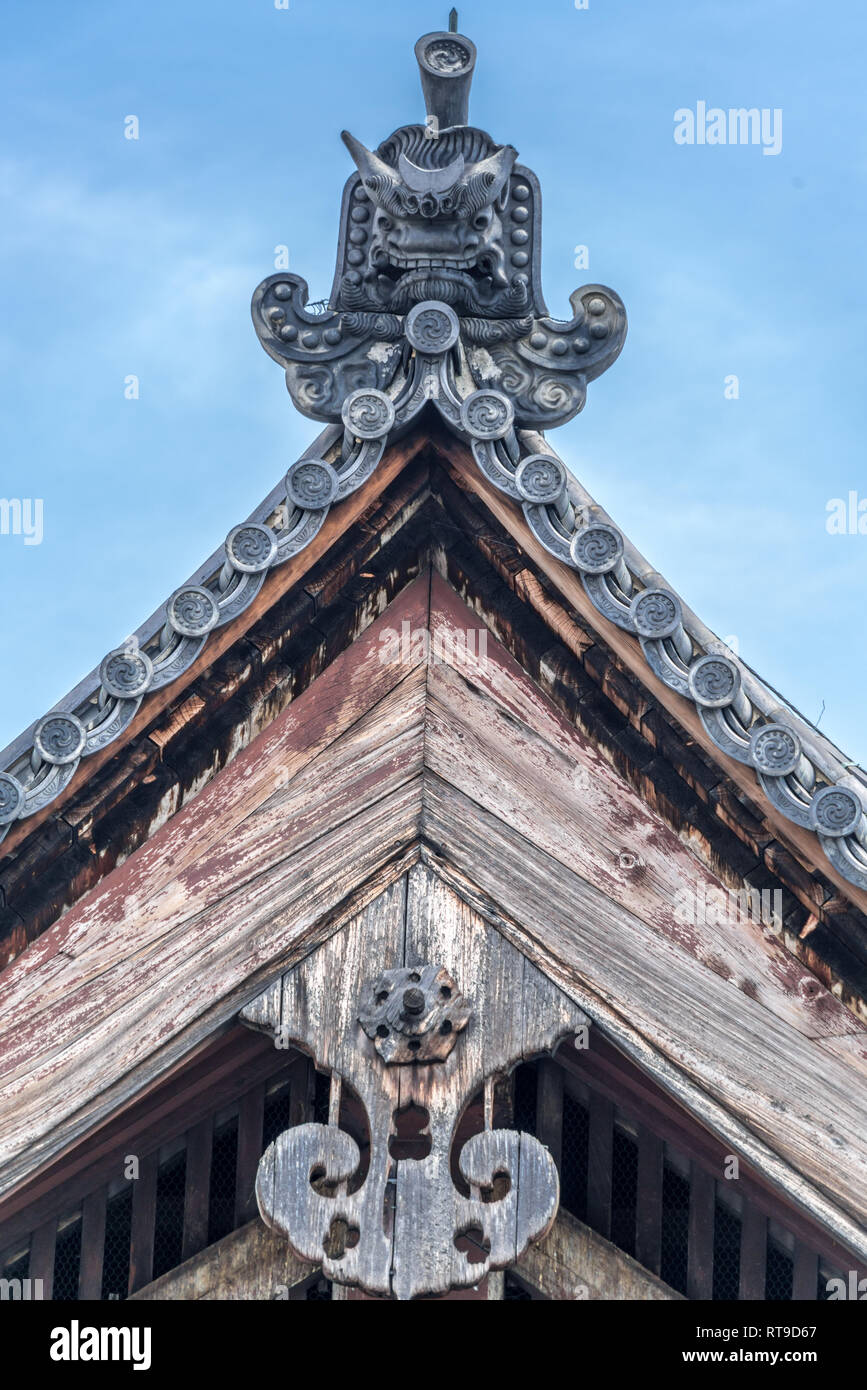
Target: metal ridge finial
column 446, row 62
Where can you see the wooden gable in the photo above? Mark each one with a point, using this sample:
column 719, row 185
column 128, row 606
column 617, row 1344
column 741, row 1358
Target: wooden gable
column 424, row 694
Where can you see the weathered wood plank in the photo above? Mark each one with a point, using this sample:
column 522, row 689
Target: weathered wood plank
column 852, row 1049
column 302, row 1086
column 251, row 1263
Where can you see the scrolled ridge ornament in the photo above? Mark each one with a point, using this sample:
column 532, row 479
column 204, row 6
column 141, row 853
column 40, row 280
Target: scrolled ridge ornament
column 60, row 739
column 541, row 478
column 126, row 673
column 836, row 811
column 656, row 613
column 312, row 484
column 775, row 749
column 597, row 548
column 11, row 798
column 251, row 548
column 193, row 611
column 714, row 681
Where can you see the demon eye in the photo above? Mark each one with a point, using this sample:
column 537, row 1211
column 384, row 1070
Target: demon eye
column 482, row 220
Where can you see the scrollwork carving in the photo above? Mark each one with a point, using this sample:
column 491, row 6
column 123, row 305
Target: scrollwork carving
column 409, row 1041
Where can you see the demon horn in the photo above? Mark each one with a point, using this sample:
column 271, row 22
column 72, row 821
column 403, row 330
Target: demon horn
column 486, row 180
column 377, row 176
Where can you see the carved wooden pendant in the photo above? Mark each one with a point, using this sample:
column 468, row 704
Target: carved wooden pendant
column 416, row 1002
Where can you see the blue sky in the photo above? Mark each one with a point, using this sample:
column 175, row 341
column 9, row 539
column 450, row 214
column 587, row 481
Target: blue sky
column 122, row 257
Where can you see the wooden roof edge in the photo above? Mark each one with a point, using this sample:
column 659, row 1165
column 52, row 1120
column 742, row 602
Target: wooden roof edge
column 89, row 684
column 167, row 767
column 832, row 760
column 51, row 785
column 820, row 853
column 280, row 578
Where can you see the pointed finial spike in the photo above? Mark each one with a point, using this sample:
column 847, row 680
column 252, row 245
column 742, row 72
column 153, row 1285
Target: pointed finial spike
column 453, row 22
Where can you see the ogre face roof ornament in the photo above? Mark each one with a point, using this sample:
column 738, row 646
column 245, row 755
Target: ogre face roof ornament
column 437, row 292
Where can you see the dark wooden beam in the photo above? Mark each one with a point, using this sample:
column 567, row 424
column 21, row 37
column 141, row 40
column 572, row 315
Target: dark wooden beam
column 702, row 1199
column 144, row 1205
column 42, row 1247
column 648, row 1226
column 549, row 1108
column 92, row 1245
column 250, row 1116
column 197, row 1187
column 599, row 1164
column 805, row 1276
column 754, row 1253
column 645, row 1103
